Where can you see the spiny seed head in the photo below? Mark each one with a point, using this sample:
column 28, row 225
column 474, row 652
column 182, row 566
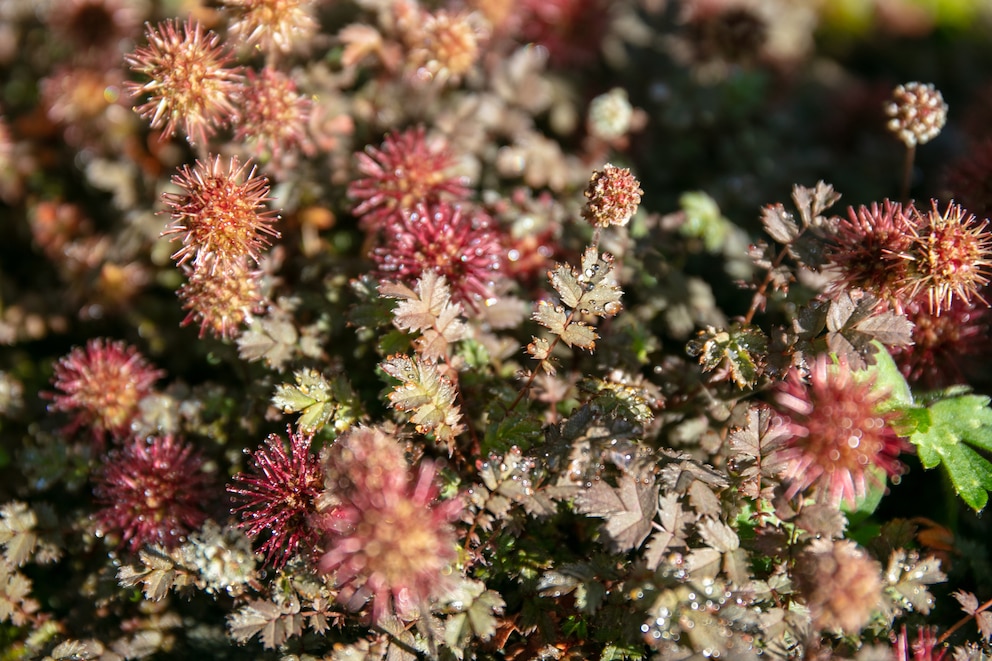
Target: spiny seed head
column 273, row 26
column 917, row 113
column 278, row 498
column 189, row 83
column 221, row 300
column 217, row 213
column 842, row 585
column 944, row 345
column 613, row 195
column 275, row 116
column 403, row 172
column 103, row 383
column 95, row 26
column 838, row 436
column 949, row 256
column 151, row 492
column 366, row 460
column 388, row 540
column 866, row 248
column 457, row 242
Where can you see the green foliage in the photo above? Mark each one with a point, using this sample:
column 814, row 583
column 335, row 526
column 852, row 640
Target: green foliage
column 950, row 435
column 704, row 220
column 319, row 401
column 545, row 474
column 474, row 615
column 516, row 428
column 741, row 349
column 591, row 289
column 426, row 393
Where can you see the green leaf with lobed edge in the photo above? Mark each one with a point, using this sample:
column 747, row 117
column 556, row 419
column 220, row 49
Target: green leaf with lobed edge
column 957, row 427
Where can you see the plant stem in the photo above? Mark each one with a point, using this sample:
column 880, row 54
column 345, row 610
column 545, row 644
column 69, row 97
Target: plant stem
column 907, row 173
column 533, row 373
column 963, row 621
column 760, row 293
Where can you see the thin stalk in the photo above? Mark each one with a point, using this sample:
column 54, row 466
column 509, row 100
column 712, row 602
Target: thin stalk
column 963, row 621
column 760, row 292
column 907, row 173
column 533, row 372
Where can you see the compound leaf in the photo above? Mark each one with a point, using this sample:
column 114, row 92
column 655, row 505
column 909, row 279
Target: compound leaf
column 628, row 509
column 958, row 425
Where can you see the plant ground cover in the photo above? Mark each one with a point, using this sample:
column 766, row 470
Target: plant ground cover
column 495, row 329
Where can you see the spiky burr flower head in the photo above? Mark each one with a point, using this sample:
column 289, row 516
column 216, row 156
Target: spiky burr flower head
column 838, row 438
column 279, row 498
column 841, row 583
column 457, row 242
column 866, row 247
column 221, row 300
column 393, row 547
column 273, row 26
column 943, row 345
column 218, row 213
column 949, row 256
column 103, row 383
column 613, row 195
column 404, row 171
column 275, row 116
column 151, row 492
column 368, row 461
column 190, row 85
column 95, row 26
column 917, row 113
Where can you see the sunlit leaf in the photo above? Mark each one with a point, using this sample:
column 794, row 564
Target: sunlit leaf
column 958, row 426
column 627, row 509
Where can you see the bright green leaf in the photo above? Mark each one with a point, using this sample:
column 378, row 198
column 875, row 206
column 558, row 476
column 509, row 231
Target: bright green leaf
column 888, row 376
column 959, row 424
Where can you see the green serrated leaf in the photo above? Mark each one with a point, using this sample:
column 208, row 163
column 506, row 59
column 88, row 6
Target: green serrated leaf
column 969, row 416
column 290, row 399
column 395, row 341
column 613, row 652
column 958, row 424
column 971, row 475
column 474, row 353
column 426, row 394
column 318, row 400
column 518, row 428
column 741, row 348
column 601, row 293
column 629, row 401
